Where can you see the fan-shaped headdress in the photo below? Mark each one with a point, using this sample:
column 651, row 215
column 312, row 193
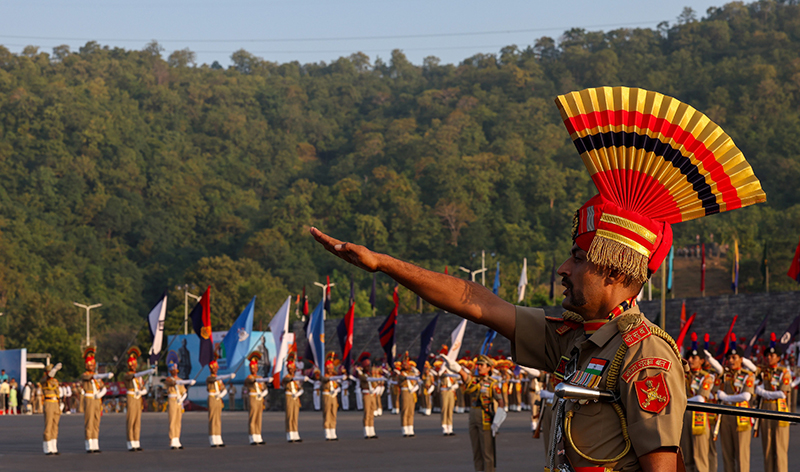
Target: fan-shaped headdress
column 706, row 339
column 89, row 355
column 254, row 358
column 655, row 162
column 133, row 354
column 732, row 349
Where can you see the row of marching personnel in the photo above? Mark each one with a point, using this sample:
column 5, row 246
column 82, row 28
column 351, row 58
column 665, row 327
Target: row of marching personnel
column 402, row 386
column 765, row 384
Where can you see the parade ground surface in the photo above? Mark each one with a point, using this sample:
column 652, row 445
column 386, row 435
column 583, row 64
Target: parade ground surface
column 21, row 445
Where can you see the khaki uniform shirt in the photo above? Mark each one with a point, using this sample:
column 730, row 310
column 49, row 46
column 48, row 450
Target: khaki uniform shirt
column 651, row 383
column 90, row 384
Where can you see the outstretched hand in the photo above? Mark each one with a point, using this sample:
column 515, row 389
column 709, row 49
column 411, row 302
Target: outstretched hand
column 357, row 255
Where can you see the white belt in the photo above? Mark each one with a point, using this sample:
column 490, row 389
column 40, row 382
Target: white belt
column 255, row 394
column 328, row 393
column 172, row 395
column 131, row 394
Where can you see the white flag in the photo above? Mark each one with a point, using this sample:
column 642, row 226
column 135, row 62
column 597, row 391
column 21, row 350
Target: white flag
column 523, row 281
column 279, row 325
column 156, row 321
column 455, row 340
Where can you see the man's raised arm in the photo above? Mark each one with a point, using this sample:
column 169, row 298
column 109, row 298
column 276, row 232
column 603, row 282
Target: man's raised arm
column 466, row 299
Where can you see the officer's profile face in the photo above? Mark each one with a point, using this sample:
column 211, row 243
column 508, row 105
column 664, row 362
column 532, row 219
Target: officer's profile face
column 696, row 362
column 773, row 359
column 483, row 369
column 583, row 282
column 734, row 361
column 253, row 368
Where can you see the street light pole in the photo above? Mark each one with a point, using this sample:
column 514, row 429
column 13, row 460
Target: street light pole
column 186, row 296
column 472, row 273
column 88, row 309
column 483, row 267
column 324, row 295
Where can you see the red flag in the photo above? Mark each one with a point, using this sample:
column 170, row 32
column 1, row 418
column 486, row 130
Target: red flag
column 794, row 269
column 305, row 302
column 703, row 268
column 723, row 347
column 685, row 325
column 445, row 270
column 683, row 316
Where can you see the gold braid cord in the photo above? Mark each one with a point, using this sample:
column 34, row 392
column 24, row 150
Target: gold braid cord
column 611, row 384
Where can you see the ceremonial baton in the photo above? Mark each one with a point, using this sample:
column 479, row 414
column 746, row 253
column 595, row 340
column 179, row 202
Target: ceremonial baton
column 572, row 392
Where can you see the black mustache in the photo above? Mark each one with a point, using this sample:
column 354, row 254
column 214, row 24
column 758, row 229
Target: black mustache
column 565, row 282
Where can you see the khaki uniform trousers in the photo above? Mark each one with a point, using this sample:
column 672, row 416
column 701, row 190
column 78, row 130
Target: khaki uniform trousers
column 93, row 408
column 482, row 442
column 330, row 406
column 407, row 404
column 370, row 405
column 256, row 408
column 774, row 441
column 694, row 447
column 81, row 397
column 52, row 414
column 735, row 445
column 713, row 458
column 133, row 418
column 448, row 403
column 214, row 416
column 175, row 413
column 292, row 412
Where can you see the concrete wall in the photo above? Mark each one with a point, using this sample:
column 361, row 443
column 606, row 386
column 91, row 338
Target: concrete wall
column 714, row 315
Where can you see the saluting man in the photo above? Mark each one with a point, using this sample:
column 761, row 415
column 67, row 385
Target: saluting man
column 52, row 410
column 256, row 390
column 775, row 386
column 620, row 238
column 176, row 395
column 369, row 386
column 448, row 384
column 216, row 392
column 696, row 429
column 136, row 390
column 408, row 383
column 484, row 420
column 94, row 391
column 736, row 387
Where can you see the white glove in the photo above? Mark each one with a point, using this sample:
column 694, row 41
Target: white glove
column 183, row 398
column 298, row 393
column 714, row 363
column 531, row 371
column 698, row 398
column 222, row 394
column 748, row 364
column 54, row 369
column 145, row 372
column 741, row 397
column 499, row 417
column 796, row 382
column 452, row 365
column 430, row 390
column 547, row 395
column 263, row 394
column 767, row 395
column 108, row 375
column 100, row 394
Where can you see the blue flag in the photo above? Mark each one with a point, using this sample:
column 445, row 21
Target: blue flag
column 386, row 331
column 670, row 270
column 426, row 339
column 237, row 342
column 496, row 286
column 316, row 336
column 488, row 340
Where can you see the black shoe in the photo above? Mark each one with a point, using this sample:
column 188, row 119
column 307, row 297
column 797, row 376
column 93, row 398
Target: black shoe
column 222, row 445
column 138, row 449
column 373, row 437
column 56, row 453
column 260, row 443
column 180, row 447
column 89, row 452
column 328, row 439
column 405, row 435
column 173, row 448
column 298, row 440
column 213, row 445
column 48, row 453
column 254, row 444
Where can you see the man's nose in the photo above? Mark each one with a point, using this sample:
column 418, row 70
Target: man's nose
column 564, row 269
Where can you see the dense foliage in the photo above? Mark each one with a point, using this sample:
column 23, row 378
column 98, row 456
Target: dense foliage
column 124, row 173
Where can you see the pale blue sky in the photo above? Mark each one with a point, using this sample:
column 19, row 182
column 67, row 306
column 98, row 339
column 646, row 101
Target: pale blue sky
column 312, row 30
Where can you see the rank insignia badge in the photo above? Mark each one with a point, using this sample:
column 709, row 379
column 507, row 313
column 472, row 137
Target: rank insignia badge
column 652, row 393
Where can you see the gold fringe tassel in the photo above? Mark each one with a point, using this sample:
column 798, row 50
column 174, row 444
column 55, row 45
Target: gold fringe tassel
column 608, row 253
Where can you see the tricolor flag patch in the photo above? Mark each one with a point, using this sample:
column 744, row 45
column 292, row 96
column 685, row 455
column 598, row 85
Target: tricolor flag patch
column 596, row 366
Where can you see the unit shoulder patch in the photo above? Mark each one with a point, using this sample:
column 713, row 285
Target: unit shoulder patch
column 636, row 335
column 646, row 363
column 652, row 393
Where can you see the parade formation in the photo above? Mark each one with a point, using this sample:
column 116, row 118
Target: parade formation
column 655, row 162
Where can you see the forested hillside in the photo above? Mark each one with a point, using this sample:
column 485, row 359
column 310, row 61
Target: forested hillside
column 124, row 173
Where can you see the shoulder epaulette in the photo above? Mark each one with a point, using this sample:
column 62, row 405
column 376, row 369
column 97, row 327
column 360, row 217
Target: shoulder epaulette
column 634, row 329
